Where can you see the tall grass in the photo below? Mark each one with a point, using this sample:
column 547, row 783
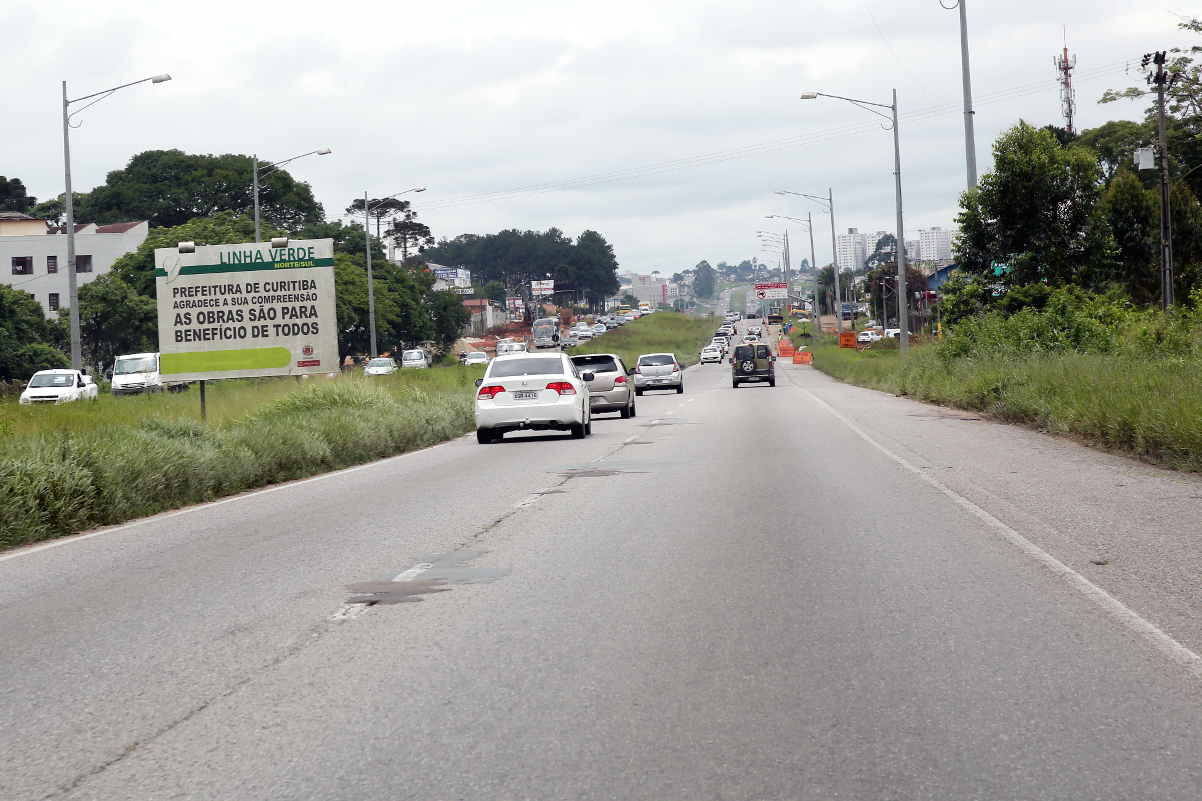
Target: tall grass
column 661, row 332
column 83, row 465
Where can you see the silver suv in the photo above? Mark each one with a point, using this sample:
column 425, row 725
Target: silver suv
column 609, row 391
column 658, row 371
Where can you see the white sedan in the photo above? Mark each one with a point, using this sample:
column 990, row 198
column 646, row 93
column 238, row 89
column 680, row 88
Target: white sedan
column 476, row 357
column 711, row 354
column 532, row 392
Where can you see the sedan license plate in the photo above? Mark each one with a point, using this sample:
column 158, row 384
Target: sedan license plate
column 526, row 394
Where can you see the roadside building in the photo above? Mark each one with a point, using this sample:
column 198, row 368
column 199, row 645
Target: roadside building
column 33, row 257
column 486, row 314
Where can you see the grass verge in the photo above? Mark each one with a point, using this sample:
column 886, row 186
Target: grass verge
column 662, row 332
column 73, row 467
column 1142, row 406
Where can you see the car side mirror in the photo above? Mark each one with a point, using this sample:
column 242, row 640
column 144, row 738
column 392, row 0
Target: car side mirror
column 479, row 381
column 629, row 371
column 731, row 360
column 587, row 376
column 773, row 358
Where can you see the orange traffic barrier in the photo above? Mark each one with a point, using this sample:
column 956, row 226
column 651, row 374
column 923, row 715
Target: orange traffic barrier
column 787, row 350
column 847, row 339
column 803, row 357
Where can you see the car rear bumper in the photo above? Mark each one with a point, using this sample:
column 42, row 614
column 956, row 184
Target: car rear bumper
column 659, row 382
column 611, row 401
column 534, row 416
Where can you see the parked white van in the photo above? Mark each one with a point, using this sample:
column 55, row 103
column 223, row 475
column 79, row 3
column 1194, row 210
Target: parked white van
column 418, row 357
column 135, row 373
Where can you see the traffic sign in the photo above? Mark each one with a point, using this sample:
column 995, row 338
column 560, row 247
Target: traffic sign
column 775, row 291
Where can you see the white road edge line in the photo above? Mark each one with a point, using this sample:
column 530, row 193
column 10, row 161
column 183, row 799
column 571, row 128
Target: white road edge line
column 1159, row 639
column 200, row 507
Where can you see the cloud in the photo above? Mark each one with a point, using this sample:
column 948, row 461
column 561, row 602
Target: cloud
column 471, row 97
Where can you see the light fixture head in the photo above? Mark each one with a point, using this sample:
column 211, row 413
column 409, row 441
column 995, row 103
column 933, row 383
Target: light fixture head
column 324, row 151
column 187, row 247
column 278, row 242
column 781, row 192
column 420, row 189
column 809, row 95
column 160, row 78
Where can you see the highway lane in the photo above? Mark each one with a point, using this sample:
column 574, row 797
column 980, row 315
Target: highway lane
column 758, row 603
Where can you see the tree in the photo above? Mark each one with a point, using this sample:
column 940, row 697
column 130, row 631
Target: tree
column 378, row 209
column 1114, row 143
column 13, row 196
column 408, row 234
column 137, row 269
column 704, row 280
column 594, row 267
column 1034, row 212
column 170, row 187
column 114, row 319
column 1133, row 215
column 882, row 286
column 448, row 316
column 28, row 341
column 493, row 290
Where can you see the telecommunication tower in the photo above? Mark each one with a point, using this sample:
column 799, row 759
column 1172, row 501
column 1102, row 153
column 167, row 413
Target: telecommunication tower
column 1068, row 97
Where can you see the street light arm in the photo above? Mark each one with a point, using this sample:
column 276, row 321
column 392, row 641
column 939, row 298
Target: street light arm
column 275, row 165
column 825, row 203
column 107, row 92
column 396, row 194
column 798, row 220
column 864, row 104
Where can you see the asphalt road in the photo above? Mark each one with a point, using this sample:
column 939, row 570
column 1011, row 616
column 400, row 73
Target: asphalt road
column 810, row 591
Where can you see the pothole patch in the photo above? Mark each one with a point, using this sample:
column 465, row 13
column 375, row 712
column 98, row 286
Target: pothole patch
column 432, row 573
column 611, row 468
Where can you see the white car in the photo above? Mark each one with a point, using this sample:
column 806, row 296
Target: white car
column 892, row 333
column 532, row 392
column 59, row 386
column 599, row 329
column 711, row 354
column 868, row 336
column 476, row 357
column 418, row 357
column 382, row 365
column 584, row 333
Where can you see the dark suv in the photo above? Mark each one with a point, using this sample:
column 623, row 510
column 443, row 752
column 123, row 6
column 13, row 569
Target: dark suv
column 753, row 361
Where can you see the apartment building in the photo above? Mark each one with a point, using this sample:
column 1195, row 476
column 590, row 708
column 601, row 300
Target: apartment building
column 854, row 248
column 33, row 257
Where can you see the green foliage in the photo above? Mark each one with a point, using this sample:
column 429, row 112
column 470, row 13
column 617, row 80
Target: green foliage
column 1114, row 142
column 448, row 316
column 170, row 187
column 117, row 465
column 224, row 228
column 113, row 319
column 28, row 341
column 662, row 332
column 704, row 280
column 1133, row 216
column 514, row 258
column 13, row 196
column 1034, row 211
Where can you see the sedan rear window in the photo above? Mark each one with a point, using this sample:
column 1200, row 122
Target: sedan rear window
column 596, row 364
column 535, row 365
column 657, row 360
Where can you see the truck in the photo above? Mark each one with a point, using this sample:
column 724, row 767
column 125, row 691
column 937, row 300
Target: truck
column 545, row 332
column 135, row 373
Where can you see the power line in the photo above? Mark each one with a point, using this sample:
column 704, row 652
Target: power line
column 761, row 148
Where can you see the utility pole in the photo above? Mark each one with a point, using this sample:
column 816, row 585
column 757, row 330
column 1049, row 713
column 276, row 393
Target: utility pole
column 1161, row 79
column 816, row 322
column 903, row 301
column 830, row 202
column 970, row 139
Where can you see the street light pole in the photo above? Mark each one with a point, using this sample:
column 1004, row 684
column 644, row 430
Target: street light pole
column 275, row 165
column 371, row 293
column 970, row 140
column 815, row 320
column 903, row 306
column 1161, row 79
column 829, row 202
column 69, row 210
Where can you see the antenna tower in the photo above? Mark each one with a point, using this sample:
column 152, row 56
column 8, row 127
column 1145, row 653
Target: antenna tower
column 1068, row 97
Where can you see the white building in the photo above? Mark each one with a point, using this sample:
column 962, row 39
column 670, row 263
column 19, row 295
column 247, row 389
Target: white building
column 33, row 258
column 935, row 244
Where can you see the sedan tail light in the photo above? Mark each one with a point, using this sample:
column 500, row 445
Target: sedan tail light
column 487, row 393
column 562, row 387
column 638, row 369
column 620, row 379
column 675, row 367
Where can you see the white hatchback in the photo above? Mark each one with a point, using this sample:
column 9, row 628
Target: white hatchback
column 532, row 392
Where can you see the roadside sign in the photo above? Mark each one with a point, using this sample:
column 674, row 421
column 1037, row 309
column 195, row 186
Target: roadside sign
column 776, row 291
column 247, row 310
column 847, row 339
column 538, row 288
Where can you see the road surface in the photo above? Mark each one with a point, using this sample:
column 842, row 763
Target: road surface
column 811, row 591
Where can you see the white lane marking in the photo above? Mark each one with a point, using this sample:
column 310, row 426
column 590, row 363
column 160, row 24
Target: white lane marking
column 671, row 411
column 631, row 438
column 693, row 399
column 413, row 572
column 211, row 504
column 1159, row 639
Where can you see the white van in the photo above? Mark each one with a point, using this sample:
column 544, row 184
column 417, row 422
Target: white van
column 135, row 373
column 418, row 357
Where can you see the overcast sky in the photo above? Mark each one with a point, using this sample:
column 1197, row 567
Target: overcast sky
column 473, row 97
